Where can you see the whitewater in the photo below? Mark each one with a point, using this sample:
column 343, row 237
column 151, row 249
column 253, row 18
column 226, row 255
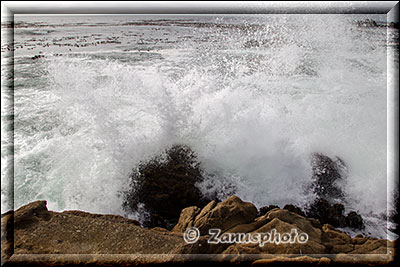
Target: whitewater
column 253, row 95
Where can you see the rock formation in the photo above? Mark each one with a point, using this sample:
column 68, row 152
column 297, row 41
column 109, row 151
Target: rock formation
column 49, row 238
column 326, row 174
column 166, row 186
column 224, row 215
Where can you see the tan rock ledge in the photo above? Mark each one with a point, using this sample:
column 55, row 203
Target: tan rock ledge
column 32, row 234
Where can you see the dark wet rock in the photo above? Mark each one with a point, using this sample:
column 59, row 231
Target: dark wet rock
column 166, row 186
column 37, row 56
column 368, row 23
column 333, row 214
column 394, row 25
column 322, row 210
column 394, row 214
column 263, row 210
column 326, row 173
column 156, row 220
column 327, row 207
column 354, row 220
column 294, row 209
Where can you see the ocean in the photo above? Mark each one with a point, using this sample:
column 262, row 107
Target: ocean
column 253, row 95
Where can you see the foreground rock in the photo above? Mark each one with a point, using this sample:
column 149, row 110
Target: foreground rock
column 224, row 215
column 39, row 231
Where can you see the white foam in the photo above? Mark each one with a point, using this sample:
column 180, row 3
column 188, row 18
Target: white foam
column 254, row 115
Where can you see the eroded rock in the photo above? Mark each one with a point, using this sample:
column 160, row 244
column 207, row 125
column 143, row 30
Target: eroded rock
column 224, row 215
column 294, row 209
column 186, row 219
column 263, row 210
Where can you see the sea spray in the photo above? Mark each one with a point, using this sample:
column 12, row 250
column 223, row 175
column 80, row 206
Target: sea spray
column 254, row 100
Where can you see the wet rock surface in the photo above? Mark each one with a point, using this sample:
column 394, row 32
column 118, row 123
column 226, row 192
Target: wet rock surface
column 166, row 186
column 326, row 174
column 325, row 212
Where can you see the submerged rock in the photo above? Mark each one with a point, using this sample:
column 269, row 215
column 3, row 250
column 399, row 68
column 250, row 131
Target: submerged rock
column 166, row 186
column 37, row 56
column 367, row 23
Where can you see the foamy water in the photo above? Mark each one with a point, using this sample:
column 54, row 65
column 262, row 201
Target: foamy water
column 253, row 99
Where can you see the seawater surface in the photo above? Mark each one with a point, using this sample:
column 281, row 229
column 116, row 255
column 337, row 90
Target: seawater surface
column 253, row 95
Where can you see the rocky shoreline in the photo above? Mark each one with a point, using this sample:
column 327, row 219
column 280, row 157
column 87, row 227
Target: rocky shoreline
column 168, row 183
column 182, row 225
column 48, row 238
